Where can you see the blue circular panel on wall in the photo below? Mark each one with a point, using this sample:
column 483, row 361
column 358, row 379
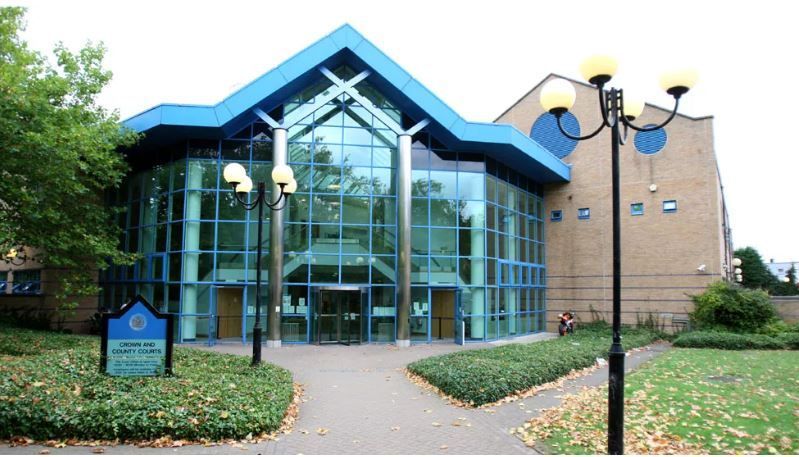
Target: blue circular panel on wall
column 650, row 142
column 546, row 132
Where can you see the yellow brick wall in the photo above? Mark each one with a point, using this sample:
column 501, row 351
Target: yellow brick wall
column 660, row 251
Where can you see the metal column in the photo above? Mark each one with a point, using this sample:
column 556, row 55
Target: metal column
column 273, row 337
column 404, row 241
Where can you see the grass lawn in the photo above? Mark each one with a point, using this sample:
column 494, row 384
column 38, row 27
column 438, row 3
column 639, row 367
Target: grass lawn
column 51, row 388
column 687, row 401
column 483, row 376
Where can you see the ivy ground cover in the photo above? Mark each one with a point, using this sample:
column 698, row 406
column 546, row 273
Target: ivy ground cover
column 687, row 401
column 51, row 388
column 483, row 376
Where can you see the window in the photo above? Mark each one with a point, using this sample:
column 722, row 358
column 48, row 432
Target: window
column 584, row 213
column 27, row 282
column 670, row 206
column 637, row 209
column 556, row 215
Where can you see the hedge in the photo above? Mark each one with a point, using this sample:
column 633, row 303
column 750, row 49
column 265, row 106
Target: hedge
column 60, row 394
column 482, row 376
column 737, row 341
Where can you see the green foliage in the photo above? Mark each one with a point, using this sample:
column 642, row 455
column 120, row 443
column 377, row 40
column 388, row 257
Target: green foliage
column 17, row 342
column 59, row 150
column 727, row 340
column 789, row 340
column 59, row 393
column 778, row 326
column 25, row 317
column 756, row 274
column 787, row 288
column 728, row 306
column 487, row 375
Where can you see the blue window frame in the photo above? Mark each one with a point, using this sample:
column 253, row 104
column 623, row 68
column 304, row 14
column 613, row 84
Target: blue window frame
column 556, row 215
column 637, row 209
column 669, row 206
column 584, row 213
column 27, row 282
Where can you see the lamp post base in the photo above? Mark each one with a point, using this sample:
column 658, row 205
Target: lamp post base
column 616, row 400
column 274, row 343
column 256, row 346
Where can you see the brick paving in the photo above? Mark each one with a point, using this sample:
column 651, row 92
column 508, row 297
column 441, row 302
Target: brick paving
column 360, row 396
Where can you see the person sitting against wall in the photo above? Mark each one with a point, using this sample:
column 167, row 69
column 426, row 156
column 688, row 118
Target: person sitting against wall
column 566, row 323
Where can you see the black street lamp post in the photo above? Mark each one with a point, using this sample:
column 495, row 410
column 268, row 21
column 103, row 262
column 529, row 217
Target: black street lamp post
column 236, row 176
column 557, row 97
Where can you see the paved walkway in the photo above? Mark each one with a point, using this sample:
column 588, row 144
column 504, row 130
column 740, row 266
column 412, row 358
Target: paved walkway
column 367, row 405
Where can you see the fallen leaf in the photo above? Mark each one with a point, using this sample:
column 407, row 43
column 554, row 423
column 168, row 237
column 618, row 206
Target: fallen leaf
column 436, row 424
column 98, row 450
column 322, row 431
column 44, row 451
column 444, row 446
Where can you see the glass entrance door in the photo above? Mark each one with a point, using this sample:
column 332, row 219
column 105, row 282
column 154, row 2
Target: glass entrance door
column 339, row 317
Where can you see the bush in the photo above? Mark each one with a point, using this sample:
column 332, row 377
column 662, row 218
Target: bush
column 731, row 307
column 726, row 340
column 484, row 376
column 777, row 327
column 789, row 340
column 60, row 393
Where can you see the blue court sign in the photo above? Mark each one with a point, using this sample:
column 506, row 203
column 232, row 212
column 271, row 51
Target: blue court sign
column 136, row 341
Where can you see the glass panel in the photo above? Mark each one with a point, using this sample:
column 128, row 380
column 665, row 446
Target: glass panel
column 295, row 237
column 294, row 329
column 236, row 151
column 472, row 214
column 229, row 208
column 419, row 267
column 357, row 180
column 178, row 175
column 384, row 210
column 252, row 243
column 202, row 174
column 443, row 160
column 383, row 181
column 326, row 179
column 177, row 206
column 327, row 154
column 295, row 267
column 355, row 240
column 358, row 155
column 357, row 116
column 384, row 157
column 324, row 268
column 443, row 270
column 471, row 186
column 383, row 270
column 302, row 174
column 303, row 133
column 355, row 210
column 443, row 241
column 230, row 236
column 358, row 136
column 420, row 184
column 262, row 151
column 419, row 211
column 382, row 330
column 299, row 152
column 329, row 115
column 298, row 209
column 472, row 271
column 326, row 208
column 326, row 134
column 354, row 269
column 230, row 267
column 444, row 213
column 325, row 239
column 176, row 236
column 419, row 240
column 384, row 240
column 443, row 184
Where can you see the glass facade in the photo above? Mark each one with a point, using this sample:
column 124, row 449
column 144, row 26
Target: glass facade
column 477, row 233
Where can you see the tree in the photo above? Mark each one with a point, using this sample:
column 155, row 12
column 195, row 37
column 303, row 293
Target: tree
column 756, row 274
column 59, row 156
column 788, row 285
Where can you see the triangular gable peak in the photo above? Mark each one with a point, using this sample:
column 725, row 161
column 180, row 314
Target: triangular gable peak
column 367, row 67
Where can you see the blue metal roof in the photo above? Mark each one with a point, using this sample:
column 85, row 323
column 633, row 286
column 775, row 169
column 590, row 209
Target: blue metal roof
column 169, row 122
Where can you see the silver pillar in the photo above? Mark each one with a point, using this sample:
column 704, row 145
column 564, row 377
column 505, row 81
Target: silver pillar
column 279, row 157
column 404, row 241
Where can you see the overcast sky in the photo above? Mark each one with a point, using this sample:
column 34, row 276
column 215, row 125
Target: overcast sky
column 480, row 57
